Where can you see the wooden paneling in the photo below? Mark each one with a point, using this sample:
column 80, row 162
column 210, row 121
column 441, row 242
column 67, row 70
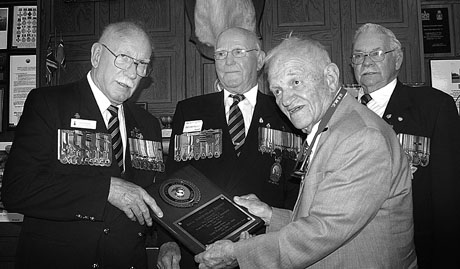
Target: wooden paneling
column 79, row 24
column 301, row 13
column 319, row 20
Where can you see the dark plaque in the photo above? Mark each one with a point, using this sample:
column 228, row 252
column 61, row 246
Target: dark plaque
column 198, row 213
column 436, row 30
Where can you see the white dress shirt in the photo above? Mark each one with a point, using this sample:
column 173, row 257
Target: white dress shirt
column 103, row 103
column 380, row 98
column 246, row 106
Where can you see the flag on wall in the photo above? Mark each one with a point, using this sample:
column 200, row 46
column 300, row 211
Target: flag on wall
column 51, row 64
column 60, row 54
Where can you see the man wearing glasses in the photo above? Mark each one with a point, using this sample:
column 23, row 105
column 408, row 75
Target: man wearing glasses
column 427, row 123
column 241, row 169
column 70, row 172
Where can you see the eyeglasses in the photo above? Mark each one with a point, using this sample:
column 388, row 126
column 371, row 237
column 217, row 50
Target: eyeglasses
column 124, row 62
column 376, row 56
column 237, row 53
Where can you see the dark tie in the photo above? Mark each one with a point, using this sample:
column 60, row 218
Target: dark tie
column 114, row 130
column 365, row 99
column 236, row 123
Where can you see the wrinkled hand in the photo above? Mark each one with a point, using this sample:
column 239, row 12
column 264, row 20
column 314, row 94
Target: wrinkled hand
column 217, row 255
column 133, row 200
column 169, row 256
column 255, row 206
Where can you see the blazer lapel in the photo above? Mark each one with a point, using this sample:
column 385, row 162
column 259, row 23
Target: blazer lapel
column 398, row 102
column 88, row 106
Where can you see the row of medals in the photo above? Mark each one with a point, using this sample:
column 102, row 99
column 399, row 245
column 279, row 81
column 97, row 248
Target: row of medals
column 417, row 148
column 208, row 144
column 198, row 145
column 81, row 147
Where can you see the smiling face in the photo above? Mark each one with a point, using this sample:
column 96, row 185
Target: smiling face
column 375, row 75
column 117, row 84
column 238, row 75
column 303, row 91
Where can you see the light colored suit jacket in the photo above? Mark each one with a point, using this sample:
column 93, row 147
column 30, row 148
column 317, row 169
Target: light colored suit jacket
column 354, row 208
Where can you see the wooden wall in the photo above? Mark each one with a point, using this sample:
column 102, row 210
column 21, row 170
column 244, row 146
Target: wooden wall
column 179, row 69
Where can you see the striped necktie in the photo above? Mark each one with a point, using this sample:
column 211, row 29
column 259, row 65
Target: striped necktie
column 114, row 130
column 365, row 99
column 236, row 123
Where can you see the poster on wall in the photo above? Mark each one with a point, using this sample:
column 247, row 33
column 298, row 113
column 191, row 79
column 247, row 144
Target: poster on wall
column 437, row 30
column 23, row 69
column 24, row 31
column 445, row 76
column 3, row 27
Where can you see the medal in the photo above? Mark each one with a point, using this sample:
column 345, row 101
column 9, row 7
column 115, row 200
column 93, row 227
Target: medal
column 275, row 171
column 198, row 145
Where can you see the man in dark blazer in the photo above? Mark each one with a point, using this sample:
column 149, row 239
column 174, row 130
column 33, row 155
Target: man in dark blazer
column 80, row 215
column 238, row 59
column 418, row 112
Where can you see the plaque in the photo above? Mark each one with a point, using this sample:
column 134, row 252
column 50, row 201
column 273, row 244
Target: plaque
column 198, row 213
column 437, row 30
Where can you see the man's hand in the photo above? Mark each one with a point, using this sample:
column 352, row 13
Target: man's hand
column 255, row 206
column 133, row 200
column 169, row 256
column 217, row 255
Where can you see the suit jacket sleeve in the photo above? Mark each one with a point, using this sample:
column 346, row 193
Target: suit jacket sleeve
column 347, row 197
column 33, row 184
column 445, row 174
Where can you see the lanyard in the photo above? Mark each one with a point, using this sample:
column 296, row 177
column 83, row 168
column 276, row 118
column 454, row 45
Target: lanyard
column 301, row 164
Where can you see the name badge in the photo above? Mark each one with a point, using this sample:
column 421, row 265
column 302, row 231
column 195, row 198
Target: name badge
column 83, row 124
column 193, row 126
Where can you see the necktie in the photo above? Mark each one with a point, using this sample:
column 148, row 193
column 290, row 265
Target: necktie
column 365, row 99
column 114, row 130
column 236, row 123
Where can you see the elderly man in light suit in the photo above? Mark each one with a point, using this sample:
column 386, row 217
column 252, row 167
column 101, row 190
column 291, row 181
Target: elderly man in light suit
column 354, row 209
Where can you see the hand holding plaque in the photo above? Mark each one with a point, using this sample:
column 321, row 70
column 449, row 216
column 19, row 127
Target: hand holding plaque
column 198, row 213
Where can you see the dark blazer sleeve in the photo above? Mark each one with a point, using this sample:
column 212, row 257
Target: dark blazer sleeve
column 445, row 175
column 34, row 182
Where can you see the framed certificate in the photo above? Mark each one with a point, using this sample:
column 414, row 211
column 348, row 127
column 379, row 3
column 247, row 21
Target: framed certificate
column 445, row 76
column 23, row 70
column 198, row 213
column 437, row 30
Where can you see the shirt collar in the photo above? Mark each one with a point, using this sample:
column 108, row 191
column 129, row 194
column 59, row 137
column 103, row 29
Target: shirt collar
column 250, row 96
column 382, row 95
column 102, row 101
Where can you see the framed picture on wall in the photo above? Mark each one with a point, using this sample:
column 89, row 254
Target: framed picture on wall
column 3, row 28
column 25, row 24
column 437, row 30
column 23, row 69
column 445, row 76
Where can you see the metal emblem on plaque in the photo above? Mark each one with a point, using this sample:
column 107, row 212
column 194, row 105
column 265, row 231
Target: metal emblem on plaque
column 198, row 145
column 179, row 192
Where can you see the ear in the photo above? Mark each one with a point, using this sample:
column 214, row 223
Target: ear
column 399, row 59
column 260, row 59
column 331, row 75
column 96, row 51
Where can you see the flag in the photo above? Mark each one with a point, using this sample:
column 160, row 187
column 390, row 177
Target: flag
column 51, row 64
column 60, row 55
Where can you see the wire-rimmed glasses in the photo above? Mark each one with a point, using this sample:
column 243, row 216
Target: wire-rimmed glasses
column 124, row 62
